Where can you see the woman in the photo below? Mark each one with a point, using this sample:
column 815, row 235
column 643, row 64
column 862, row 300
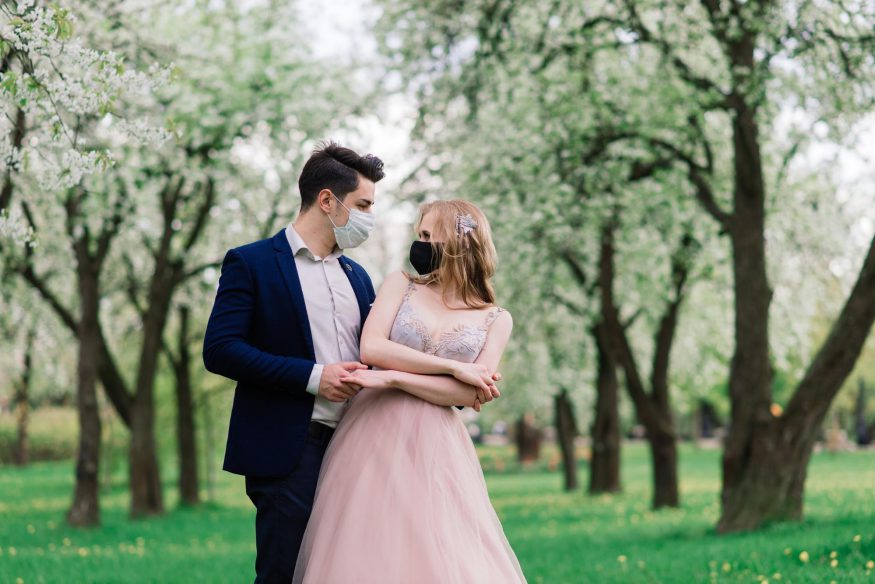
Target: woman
column 401, row 496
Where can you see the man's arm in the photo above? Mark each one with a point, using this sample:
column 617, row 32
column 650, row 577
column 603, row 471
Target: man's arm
column 226, row 349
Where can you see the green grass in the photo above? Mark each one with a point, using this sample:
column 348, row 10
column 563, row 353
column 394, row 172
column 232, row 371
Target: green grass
column 559, row 537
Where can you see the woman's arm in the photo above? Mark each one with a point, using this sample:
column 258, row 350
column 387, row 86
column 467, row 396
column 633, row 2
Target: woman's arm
column 378, row 350
column 441, row 389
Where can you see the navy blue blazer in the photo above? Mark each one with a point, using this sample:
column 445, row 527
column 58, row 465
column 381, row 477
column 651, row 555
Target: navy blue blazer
column 259, row 335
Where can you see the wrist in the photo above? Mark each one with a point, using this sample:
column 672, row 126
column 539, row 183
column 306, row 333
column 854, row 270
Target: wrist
column 392, row 377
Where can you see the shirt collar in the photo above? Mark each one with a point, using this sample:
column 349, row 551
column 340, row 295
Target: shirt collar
column 296, row 242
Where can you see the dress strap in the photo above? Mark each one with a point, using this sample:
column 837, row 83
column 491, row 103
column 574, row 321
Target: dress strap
column 490, row 318
column 411, row 286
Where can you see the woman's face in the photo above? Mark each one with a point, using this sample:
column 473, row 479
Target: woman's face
column 426, row 229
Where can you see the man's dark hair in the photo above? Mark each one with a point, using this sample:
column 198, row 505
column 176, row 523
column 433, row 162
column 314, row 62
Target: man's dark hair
column 331, row 166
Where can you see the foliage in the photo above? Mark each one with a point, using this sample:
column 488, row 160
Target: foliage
column 546, row 112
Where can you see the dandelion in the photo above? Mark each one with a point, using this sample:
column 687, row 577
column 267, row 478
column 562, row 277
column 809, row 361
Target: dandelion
column 833, row 563
column 833, row 555
column 787, row 551
column 857, row 538
column 727, row 567
column 804, row 557
column 870, row 565
column 19, row 581
column 621, row 559
column 31, row 529
column 12, row 551
column 83, row 552
column 67, row 541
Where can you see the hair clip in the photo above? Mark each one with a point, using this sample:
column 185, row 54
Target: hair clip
column 465, row 224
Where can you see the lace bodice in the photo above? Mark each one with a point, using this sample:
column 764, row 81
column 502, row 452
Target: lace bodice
column 462, row 343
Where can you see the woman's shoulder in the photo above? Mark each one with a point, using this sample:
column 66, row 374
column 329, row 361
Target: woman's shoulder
column 498, row 315
column 397, row 278
column 395, row 283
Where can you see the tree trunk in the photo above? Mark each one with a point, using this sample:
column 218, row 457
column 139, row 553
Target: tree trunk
column 750, row 376
column 144, row 473
column 185, row 418
column 22, row 404
column 653, row 409
column 528, row 439
column 773, row 486
column 145, row 477
column 664, row 453
column 206, row 410
column 860, row 426
column 85, row 510
column 566, row 430
column 604, row 466
column 765, row 459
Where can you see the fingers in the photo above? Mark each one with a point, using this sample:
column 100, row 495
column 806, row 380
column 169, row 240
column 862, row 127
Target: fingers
column 496, row 376
column 349, row 388
column 342, row 392
column 494, row 391
column 352, row 365
column 476, row 405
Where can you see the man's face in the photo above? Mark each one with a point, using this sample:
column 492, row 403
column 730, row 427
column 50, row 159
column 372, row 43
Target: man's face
column 361, row 199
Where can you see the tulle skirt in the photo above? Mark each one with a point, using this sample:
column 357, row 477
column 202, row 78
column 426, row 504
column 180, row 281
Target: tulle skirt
column 402, row 500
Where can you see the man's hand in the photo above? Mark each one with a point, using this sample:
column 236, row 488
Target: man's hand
column 330, row 385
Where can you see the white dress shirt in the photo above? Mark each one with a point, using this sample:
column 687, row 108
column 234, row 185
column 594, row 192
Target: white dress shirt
column 335, row 320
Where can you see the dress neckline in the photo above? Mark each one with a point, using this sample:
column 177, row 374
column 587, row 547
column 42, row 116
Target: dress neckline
column 432, row 343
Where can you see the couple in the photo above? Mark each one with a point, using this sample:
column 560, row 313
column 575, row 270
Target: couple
column 401, row 497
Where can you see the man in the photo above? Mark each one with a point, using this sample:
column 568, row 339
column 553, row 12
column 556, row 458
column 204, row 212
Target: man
column 286, row 325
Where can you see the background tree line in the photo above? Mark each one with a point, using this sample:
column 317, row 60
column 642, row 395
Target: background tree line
column 668, row 232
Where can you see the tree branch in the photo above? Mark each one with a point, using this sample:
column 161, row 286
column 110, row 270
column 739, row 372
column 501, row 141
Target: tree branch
column 836, row 358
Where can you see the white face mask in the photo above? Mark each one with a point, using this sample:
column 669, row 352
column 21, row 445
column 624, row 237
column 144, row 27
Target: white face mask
column 357, row 229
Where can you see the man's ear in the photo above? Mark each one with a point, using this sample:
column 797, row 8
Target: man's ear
column 323, row 199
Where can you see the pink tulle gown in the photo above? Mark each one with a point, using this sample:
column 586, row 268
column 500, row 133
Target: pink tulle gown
column 401, row 496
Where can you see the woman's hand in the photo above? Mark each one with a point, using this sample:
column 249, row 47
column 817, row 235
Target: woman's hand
column 475, row 374
column 368, row 378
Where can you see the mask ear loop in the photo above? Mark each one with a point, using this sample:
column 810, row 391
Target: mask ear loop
column 348, row 212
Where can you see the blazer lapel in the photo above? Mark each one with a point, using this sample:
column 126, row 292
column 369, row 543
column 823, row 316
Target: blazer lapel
column 361, row 293
column 286, row 264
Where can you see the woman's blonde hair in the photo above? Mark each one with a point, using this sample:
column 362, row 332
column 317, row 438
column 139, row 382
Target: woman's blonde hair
column 468, row 258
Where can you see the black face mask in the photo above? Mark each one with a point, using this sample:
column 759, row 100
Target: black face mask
column 425, row 257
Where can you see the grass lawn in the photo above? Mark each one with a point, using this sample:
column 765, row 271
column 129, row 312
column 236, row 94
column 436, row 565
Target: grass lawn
column 559, row 538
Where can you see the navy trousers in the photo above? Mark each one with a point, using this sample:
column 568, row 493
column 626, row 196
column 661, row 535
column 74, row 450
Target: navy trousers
column 283, row 506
